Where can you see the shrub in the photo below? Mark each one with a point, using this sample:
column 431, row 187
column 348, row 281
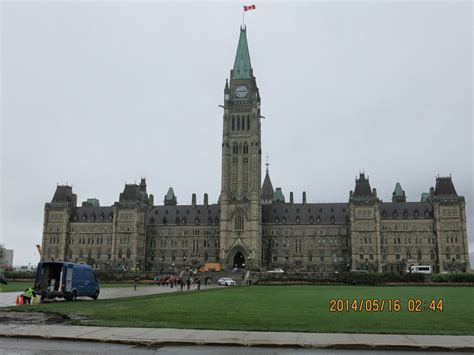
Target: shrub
column 15, row 275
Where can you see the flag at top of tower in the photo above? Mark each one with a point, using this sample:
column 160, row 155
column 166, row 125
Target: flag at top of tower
column 249, row 7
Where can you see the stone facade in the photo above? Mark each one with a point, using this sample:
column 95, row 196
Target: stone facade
column 252, row 225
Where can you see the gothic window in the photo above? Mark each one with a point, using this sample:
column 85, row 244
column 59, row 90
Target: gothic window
column 238, row 123
column 427, row 213
column 246, row 148
column 448, row 254
column 248, row 122
column 283, row 220
column 235, row 148
column 196, row 221
column 277, row 220
column 165, row 220
column 318, row 220
column 184, row 221
column 233, row 123
column 297, row 219
column 120, row 254
column 239, row 221
column 432, row 255
column 311, row 219
column 371, row 256
column 128, row 253
column 206, row 257
column 416, row 213
column 177, row 220
column 93, row 216
column 395, row 213
column 419, row 255
column 333, row 219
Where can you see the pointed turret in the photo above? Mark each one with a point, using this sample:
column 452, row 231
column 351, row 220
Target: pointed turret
column 242, row 67
column 398, row 194
column 267, row 191
column 170, row 198
column 445, row 187
column 278, row 196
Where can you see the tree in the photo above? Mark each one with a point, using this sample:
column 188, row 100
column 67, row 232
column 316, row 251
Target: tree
column 2, row 251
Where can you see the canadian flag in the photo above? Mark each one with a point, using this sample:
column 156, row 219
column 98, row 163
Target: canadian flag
column 249, row 7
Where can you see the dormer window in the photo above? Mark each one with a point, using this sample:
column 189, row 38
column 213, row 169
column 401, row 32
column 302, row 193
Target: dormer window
column 311, row 219
column 395, row 213
column 333, row 220
column 297, row 219
column 416, row 214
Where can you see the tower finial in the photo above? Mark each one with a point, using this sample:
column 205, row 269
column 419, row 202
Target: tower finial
column 267, row 163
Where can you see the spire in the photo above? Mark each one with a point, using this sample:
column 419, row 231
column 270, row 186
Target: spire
column 267, row 191
column 242, row 67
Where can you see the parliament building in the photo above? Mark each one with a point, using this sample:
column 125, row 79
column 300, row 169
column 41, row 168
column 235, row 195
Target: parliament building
column 252, row 225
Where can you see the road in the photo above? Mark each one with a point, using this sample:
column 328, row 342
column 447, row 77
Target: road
column 7, row 299
column 43, row 347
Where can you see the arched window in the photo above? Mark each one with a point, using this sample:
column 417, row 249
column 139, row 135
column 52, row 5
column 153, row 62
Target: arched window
column 196, row 221
column 184, row 220
column 419, row 255
column 239, row 221
column 238, row 123
column 235, row 148
column 128, row 253
column 448, row 254
column 233, row 123
column 120, row 254
column 248, row 122
column 433, row 255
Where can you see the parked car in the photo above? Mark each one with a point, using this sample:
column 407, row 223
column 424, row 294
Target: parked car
column 3, row 280
column 276, row 271
column 66, row 280
column 226, row 281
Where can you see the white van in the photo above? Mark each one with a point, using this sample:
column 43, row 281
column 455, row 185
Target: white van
column 421, row 269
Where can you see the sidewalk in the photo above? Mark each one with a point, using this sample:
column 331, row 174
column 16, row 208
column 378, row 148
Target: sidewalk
column 153, row 336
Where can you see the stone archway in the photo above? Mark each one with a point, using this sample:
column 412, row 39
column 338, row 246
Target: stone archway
column 239, row 260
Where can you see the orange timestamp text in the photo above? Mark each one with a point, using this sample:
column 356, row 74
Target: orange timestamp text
column 386, row 305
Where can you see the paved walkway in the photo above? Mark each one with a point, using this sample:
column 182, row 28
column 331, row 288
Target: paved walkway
column 7, row 299
column 159, row 337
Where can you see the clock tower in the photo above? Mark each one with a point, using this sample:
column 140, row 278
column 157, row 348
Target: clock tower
column 240, row 216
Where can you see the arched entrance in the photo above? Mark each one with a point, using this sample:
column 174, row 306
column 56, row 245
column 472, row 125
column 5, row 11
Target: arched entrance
column 239, row 260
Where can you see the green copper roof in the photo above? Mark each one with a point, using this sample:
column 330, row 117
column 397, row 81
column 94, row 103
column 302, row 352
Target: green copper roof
column 425, row 196
column 170, row 197
column 242, row 66
column 278, row 195
column 398, row 190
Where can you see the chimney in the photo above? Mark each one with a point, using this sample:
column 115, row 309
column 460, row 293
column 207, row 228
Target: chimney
column 206, row 201
column 291, row 197
column 193, row 200
column 151, row 200
column 304, row 198
column 374, row 192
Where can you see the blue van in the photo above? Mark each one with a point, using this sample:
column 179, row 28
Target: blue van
column 66, row 280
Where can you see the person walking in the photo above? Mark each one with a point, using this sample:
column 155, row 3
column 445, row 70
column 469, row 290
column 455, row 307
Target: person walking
column 188, row 283
column 181, row 283
column 135, row 283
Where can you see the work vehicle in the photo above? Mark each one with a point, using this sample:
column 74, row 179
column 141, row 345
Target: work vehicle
column 420, row 269
column 226, row 281
column 66, row 280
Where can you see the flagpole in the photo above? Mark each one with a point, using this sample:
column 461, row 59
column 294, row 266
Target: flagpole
column 243, row 17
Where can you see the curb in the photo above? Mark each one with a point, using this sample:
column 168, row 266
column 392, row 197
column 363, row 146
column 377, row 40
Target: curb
column 164, row 342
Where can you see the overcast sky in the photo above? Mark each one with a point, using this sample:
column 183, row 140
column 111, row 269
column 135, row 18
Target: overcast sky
column 99, row 94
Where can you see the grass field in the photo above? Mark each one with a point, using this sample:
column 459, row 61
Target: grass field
column 282, row 308
column 19, row 286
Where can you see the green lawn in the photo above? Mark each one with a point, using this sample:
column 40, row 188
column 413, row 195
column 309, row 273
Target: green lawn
column 19, row 286
column 281, row 308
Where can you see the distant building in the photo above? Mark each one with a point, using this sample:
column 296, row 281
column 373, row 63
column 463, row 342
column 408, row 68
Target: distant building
column 7, row 260
column 252, row 224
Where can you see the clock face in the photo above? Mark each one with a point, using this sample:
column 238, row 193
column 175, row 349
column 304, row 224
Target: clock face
column 240, row 91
